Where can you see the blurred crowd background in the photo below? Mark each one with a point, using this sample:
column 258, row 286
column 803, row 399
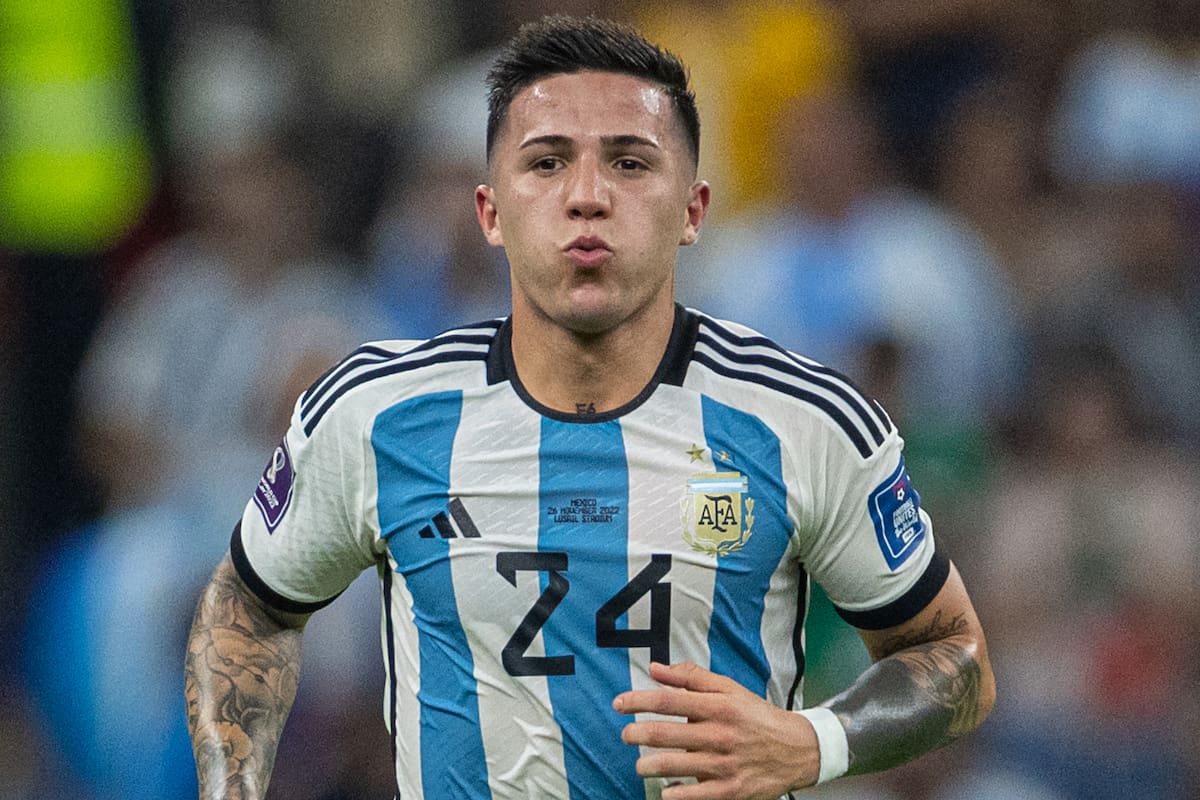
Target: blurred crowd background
column 987, row 212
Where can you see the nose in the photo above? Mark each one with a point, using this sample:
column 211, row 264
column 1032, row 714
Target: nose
column 588, row 191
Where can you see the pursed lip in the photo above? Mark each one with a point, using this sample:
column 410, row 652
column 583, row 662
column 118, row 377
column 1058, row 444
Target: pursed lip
column 588, row 243
column 588, row 251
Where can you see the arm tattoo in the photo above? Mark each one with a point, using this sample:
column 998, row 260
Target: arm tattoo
column 241, row 673
column 921, row 695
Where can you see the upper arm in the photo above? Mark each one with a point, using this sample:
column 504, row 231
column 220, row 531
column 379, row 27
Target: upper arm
column 232, row 599
column 304, row 535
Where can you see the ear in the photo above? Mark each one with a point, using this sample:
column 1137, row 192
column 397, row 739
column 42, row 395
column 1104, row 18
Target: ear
column 697, row 208
column 488, row 215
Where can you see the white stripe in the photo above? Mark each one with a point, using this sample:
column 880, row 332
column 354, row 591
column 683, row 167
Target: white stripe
column 490, row 474
column 660, row 439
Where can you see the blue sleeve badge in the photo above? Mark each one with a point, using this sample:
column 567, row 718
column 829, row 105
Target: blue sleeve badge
column 895, row 510
column 273, row 494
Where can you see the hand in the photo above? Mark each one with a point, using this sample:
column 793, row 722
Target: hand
column 735, row 743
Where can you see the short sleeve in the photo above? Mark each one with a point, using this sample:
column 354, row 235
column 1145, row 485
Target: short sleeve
column 303, row 536
column 873, row 550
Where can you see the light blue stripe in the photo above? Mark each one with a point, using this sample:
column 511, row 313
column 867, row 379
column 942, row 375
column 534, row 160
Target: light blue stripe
column 704, row 485
column 413, row 442
column 744, row 575
column 586, row 462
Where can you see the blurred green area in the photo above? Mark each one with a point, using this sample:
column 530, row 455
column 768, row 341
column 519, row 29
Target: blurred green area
column 75, row 167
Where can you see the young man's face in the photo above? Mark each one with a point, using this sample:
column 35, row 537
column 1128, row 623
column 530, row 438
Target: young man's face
column 592, row 192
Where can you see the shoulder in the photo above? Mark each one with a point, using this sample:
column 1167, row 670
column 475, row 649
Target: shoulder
column 736, row 364
column 378, row 374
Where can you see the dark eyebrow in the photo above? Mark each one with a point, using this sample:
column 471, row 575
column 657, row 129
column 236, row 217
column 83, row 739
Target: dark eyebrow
column 628, row 140
column 621, row 140
column 554, row 140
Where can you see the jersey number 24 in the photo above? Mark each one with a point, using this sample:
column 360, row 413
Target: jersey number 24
column 656, row 637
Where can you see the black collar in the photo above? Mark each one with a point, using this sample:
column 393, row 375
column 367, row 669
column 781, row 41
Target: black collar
column 671, row 369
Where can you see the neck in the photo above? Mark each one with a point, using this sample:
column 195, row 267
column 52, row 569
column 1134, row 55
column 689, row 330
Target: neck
column 589, row 373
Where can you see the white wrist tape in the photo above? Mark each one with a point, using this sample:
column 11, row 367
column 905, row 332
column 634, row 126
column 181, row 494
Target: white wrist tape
column 831, row 740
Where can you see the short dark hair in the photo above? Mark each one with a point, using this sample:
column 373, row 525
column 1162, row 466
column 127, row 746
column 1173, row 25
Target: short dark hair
column 557, row 44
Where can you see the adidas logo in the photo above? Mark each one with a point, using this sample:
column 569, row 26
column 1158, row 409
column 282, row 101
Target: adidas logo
column 457, row 523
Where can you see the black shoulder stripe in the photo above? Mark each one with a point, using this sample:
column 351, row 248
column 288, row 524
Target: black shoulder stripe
column 849, row 428
column 367, row 354
column 245, row 571
column 811, row 368
column 908, row 605
column 819, row 374
column 393, row 367
column 370, row 356
column 884, row 420
column 784, row 363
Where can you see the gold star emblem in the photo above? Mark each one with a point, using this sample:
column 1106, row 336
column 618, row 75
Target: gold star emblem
column 697, row 452
column 724, row 456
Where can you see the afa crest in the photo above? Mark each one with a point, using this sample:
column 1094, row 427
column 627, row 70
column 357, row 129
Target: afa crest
column 718, row 512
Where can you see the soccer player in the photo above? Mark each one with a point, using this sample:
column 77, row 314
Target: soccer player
column 594, row 520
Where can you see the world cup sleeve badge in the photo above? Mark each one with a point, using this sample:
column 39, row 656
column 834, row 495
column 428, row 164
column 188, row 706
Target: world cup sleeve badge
column 273, row 494
column 895, row 511
column 718, row 512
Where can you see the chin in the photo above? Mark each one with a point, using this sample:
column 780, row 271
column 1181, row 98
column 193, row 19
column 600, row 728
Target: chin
column 591, row 318
column 590, row 323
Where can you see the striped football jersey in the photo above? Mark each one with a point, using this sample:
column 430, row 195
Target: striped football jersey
column 535, row 562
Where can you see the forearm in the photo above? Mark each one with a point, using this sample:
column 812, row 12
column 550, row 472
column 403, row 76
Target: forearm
column 242, row 669
column 917, row 699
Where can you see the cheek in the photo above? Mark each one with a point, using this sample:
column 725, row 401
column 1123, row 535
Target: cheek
column 669, row 222
column 526, row 192
column 530, row 214
column 521, row 238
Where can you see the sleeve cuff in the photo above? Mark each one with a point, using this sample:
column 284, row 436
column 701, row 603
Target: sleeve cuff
column 908, row 605
column 245, row 571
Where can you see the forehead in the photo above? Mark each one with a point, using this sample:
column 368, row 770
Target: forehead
column 590, row 104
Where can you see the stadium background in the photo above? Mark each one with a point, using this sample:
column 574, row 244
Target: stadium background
column 987, row 212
